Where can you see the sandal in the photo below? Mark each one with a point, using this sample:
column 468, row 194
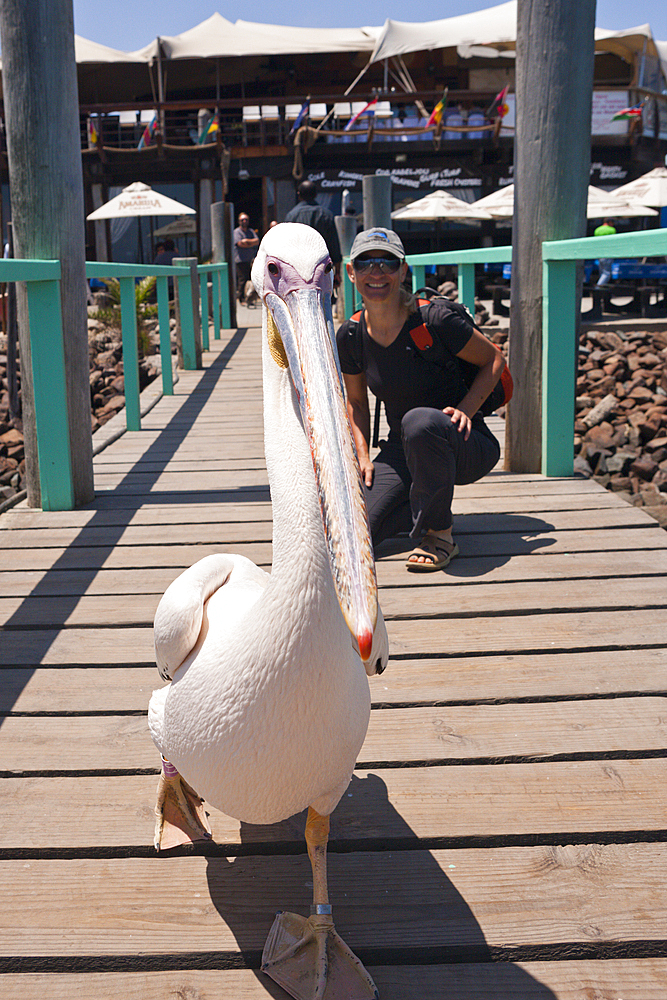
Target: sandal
column 437, row 552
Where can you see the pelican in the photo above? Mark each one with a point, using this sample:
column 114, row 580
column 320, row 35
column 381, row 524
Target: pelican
column 269, row 702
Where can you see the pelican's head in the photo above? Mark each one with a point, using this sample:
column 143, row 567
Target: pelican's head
column 293, row 275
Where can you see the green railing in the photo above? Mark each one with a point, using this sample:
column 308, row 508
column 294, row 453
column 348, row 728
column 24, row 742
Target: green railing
column 560, row 325
column 42, row 278
column 560, row 321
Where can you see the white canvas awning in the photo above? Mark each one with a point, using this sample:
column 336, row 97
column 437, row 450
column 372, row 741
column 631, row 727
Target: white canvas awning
column 216, row 37
column 482, row 27
column 495, row 28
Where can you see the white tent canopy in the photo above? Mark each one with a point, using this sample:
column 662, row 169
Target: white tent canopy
column 495, row 27
column 139, row 199
column 216, row 37
column 86, row 51
column 439, row 205
column 490, row 26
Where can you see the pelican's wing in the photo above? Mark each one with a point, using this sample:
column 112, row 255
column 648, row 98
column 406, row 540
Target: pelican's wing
column 233, row 582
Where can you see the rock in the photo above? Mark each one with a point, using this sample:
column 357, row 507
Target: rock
column 659, row 513
column 644, row 468
column 582, row 467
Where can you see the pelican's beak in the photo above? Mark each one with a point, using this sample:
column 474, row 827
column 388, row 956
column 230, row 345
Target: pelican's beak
column 303, row 322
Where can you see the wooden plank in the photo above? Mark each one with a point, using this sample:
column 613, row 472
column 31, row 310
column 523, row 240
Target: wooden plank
column 424, row 899
column 254, row 531
column 22, row 518
column 430, row 681
column 463, row 637
column 394, row 805
column 500, row 547
column 449, row 601
column 631, row 979
column 391, row 573
column 453, row 732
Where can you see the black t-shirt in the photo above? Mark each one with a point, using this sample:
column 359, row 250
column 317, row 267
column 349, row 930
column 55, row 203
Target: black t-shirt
column 400, row 375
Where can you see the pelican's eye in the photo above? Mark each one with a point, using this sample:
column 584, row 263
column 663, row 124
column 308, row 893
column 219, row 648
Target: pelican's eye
column 272, row 268
column 328, row 268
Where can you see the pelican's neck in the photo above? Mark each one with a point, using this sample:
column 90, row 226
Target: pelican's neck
column 299, row 548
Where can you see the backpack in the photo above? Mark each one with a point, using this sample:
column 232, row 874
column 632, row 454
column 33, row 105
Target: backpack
column 431, row 346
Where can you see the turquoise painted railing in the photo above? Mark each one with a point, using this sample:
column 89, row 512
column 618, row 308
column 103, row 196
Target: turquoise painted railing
column 560, row 324
column 560, row 321
column 42, row 278
column 465, row 261
column 126, row 273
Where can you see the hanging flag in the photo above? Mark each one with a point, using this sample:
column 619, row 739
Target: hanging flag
column 498, row 108
column 369, row 109
column 147, row 134
column 629, row 113
column 92, row 132
column 211, row 128
column 301, row 117
column 436, row 114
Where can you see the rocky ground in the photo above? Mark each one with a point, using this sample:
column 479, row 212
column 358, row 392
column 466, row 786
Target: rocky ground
column 621, row 421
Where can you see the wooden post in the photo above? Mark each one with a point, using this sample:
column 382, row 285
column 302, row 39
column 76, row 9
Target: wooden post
column 46, row 185
column 377, row 201
column 554, row 71
column 222, row 232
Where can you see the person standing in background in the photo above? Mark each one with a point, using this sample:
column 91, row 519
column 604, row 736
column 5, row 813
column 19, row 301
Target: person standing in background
column 606, row 229
column 309, row 213
column 246, row 242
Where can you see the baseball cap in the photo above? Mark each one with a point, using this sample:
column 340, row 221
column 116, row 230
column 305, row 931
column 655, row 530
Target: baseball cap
column 377, row 239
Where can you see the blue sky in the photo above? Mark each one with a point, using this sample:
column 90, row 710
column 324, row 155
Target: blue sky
column 128, row 25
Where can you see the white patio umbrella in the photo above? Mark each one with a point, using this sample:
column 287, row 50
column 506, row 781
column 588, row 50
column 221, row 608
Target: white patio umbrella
column 600, row 204
column 440, row 205
column 179, row 227
column 136, row 200
column 139, row 199
column 649, row 189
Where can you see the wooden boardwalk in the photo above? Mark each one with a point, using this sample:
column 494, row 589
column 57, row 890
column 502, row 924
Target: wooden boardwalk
column 503, row 835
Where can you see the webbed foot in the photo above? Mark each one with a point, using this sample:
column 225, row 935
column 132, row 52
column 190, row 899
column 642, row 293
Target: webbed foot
column 180, row 817
column 309, row 959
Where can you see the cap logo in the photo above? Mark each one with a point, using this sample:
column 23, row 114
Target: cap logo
column 382, row 235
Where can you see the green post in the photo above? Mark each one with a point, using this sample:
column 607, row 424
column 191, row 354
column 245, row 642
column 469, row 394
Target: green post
column 467, row 286
column 226, row 310
column 128, row 319
column 215, row 284
column 346, row 289
column 50, row 396
column 203, row 305
column 186, row 307
column 165, row 335
column 418, row 276
column 559, row 360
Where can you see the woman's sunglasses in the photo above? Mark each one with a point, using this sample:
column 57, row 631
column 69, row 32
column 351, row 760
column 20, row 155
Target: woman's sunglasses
column 386, row 265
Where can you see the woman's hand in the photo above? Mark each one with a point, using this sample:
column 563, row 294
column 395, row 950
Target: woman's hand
column 367, row 469
column 460, row 420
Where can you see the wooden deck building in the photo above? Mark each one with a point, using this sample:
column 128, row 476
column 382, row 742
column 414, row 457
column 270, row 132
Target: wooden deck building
column 503, row 837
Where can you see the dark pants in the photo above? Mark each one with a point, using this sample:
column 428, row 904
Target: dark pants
column 243, row 269
column 414, row 479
